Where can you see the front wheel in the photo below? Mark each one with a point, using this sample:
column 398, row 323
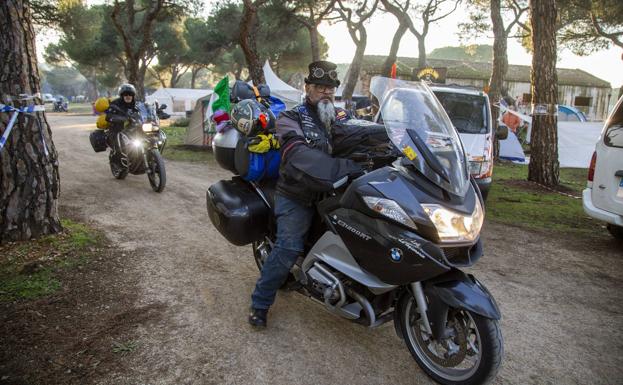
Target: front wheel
column 156, row 173
column 116, row 168
column 471, row 355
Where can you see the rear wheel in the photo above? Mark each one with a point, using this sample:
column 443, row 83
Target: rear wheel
column 472, row 355
column 156, row 173
column 616, row 231
column 261, row 251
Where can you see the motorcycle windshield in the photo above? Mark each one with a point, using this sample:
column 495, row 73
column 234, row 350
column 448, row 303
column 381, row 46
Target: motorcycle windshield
column 146, row 112
column 419, row 127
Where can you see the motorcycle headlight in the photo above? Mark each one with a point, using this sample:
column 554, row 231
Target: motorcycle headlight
column 455, row 227
column 390, row 209
column 147, row 127
column 137, row 142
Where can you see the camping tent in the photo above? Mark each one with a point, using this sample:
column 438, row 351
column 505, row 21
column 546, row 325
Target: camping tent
column 576, row 140
column 178, row 100
column 570, row 114
column 280, row 89
column 197, row 131
column 510, row 149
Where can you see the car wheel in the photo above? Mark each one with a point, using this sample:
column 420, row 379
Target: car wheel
column 616, row 231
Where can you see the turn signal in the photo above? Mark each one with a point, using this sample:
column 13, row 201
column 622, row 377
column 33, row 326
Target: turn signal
column 591, row 168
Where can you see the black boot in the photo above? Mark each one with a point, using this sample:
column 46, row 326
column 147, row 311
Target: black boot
column 258, row 317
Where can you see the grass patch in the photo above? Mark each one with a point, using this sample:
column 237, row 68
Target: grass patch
column 177, row 150
column 514, row 200
column 29, row 269
column 124, row 348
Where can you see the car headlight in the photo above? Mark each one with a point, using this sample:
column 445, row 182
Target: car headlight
column 147, row 127
column 455, row 227
column 474, row 167
column 390, row 209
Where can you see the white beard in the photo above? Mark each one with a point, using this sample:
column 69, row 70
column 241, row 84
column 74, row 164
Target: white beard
column 326, row 113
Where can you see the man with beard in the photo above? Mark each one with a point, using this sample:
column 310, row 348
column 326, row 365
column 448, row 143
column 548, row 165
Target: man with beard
column 307, row 170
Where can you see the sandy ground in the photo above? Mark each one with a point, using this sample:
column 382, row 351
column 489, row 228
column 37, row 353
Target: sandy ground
column 560, row 298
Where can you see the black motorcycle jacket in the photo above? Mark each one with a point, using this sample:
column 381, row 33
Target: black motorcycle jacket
column 118, row 112
column 307, row 167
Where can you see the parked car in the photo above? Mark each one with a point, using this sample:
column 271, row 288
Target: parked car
column 603, row 197
column 468, row 109
column 48, row 98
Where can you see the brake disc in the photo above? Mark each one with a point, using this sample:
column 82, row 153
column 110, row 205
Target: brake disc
column 455, row 347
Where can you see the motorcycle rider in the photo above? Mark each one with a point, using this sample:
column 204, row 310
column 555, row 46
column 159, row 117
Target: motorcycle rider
column 118, row 115
column 307, row 169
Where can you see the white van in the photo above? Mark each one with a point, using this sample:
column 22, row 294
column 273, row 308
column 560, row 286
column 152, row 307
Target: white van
column 603, row 197
column 468, row 109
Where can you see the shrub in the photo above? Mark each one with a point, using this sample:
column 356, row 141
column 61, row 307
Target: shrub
column 182, row 122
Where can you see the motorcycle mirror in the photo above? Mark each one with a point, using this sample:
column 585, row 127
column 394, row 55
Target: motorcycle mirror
column 502, row 132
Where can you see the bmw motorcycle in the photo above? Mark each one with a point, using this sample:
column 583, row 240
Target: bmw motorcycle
column 138, row 147
column 390, row 245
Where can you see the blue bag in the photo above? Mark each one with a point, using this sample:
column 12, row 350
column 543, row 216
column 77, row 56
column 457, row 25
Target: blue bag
column 263, row 166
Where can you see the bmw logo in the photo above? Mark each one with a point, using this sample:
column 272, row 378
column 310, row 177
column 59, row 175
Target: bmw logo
column 395, row 254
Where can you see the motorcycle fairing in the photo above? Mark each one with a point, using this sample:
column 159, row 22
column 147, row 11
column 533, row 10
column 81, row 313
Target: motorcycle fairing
column 378, row 246
column 331, row 250
column 410, row 190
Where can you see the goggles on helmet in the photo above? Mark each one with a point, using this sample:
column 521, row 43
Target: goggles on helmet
column 319, row 73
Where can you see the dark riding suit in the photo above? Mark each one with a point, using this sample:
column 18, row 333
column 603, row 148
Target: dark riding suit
column 307, row 169
column 117, row 116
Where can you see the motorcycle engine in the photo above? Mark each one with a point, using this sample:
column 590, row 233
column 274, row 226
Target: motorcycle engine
column 323, row 283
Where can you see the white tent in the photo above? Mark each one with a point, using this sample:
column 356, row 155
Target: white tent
column 197, row 132
column 576, row 140
column 510, row 149
column 178, row 100
column 280, row 89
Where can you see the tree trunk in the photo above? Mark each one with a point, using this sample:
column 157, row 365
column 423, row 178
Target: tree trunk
column 421, row 46
column 544, row 167
column 248, row 31
column 133, row 74
column 500, row 67
column 92, row 85
column 29, row 180
column 355, row 66
column 393, row 51
column 315, row 44
column 193, row 76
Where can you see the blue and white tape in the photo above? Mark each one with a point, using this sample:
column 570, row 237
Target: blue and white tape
column 16, row 111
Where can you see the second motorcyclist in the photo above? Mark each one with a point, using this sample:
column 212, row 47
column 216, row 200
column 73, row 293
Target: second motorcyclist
column 118, row 117
column 307, row 169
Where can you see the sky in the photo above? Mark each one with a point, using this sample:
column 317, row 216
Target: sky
column 606, row 65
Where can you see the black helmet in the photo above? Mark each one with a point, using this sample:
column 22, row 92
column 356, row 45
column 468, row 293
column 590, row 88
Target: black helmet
column 127, row 89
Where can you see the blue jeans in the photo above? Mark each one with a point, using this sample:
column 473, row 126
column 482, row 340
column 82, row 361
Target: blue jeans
column 293, row 222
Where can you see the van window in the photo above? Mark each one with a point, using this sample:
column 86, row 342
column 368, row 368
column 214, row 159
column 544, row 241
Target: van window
column 468, row 113
column 614, row 132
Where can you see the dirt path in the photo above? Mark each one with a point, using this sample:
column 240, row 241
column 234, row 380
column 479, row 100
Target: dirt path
column 560, row 299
